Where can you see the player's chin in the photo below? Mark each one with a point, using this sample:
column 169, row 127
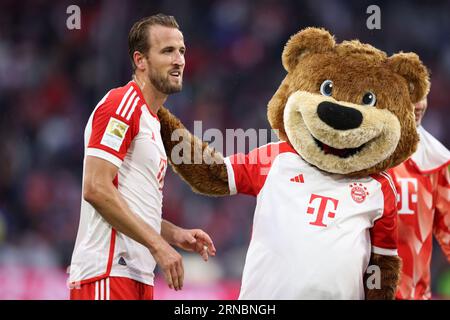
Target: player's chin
column 173, row 88
column 418, row 118
column 177, row 88
column 176, row 84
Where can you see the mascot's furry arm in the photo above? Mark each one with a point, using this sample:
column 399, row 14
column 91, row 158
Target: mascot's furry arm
column 390, row 267
column 208, row 177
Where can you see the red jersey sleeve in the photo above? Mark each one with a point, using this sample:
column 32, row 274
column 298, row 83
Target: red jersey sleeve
column 383, row 234
column 441, row 225
column 247, row 173
column 114, row 125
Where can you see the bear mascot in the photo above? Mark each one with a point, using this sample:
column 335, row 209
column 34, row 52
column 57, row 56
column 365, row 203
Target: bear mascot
column 325, row 223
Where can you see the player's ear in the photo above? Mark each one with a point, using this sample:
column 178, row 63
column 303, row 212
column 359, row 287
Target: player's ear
column 139, row 60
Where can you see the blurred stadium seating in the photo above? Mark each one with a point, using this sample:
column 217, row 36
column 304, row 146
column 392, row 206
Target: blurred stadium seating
column 52, row 77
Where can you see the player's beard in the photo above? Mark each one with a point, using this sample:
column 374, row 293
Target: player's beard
column 162, row 83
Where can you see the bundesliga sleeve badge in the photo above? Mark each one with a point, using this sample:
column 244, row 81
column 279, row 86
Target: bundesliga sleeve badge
column 114, row 134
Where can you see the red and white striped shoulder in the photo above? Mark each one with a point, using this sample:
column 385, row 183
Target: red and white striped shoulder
column 124, row 101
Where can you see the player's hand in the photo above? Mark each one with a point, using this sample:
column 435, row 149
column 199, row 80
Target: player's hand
column 195, row 240
column 171, row 264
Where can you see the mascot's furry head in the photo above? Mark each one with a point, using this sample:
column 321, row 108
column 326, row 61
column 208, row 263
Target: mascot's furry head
column 347, row 108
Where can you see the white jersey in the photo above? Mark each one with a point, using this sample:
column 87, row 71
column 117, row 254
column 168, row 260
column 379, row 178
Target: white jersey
column 122, row 130
column 313, row 231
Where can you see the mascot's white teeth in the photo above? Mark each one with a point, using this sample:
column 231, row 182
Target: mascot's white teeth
column 341, row 153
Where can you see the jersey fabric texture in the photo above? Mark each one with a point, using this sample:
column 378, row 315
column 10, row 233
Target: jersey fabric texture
column 423, row 185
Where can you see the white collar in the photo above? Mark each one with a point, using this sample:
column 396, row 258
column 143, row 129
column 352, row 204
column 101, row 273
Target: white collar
column 431, row 155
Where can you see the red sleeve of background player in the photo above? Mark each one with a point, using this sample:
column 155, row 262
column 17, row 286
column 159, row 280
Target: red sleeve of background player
column 247, row 173
column 384, row 231
column 115, row 123
column 441, row 225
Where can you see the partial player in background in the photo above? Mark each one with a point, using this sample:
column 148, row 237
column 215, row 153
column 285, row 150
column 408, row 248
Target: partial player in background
column 122, row 235
column 423, row 185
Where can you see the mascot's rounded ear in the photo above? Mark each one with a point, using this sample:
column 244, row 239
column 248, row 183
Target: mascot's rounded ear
column 309, row 40
column 409, row 66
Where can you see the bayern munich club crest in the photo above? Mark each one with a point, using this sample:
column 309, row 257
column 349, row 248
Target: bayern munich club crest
column 359, row 192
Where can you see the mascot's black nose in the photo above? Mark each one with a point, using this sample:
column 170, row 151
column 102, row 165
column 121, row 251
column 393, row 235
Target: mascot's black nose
column 339, row 117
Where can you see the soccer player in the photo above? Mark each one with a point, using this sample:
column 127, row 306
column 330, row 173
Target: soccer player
column 122, row 236
column 423, row 185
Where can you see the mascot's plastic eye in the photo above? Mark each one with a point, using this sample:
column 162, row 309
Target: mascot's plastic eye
column 369, row 99
column 326, row 88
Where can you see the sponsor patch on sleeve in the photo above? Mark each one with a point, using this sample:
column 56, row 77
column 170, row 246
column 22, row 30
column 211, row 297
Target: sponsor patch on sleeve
column 114, row 134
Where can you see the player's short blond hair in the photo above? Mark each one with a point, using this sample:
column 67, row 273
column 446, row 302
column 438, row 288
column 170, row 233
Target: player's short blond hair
column 138, row 39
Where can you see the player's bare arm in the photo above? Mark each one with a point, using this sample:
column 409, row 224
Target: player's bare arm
column 193, row 240
column 100, row 192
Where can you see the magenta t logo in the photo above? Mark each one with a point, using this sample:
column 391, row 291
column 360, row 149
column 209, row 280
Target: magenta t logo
column 321, row 211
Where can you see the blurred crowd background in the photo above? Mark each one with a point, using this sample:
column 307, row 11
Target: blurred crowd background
column 51, row 78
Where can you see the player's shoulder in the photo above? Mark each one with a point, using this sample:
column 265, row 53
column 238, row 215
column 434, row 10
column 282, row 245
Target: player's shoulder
column 431, row 155
column 119, row 92
column 121, row 102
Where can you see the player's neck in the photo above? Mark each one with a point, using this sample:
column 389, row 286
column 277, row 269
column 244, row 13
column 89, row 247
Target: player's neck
column 154, row 99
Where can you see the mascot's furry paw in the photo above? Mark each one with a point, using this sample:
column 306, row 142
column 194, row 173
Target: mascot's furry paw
column 390, row 267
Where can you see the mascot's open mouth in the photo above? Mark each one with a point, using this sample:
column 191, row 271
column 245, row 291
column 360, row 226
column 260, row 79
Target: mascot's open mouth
column 341, row 153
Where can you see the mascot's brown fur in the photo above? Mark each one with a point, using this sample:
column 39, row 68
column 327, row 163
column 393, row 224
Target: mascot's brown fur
column 345, row 108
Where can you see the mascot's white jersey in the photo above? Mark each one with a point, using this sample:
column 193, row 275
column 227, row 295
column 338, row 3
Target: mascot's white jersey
column 313, row 232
